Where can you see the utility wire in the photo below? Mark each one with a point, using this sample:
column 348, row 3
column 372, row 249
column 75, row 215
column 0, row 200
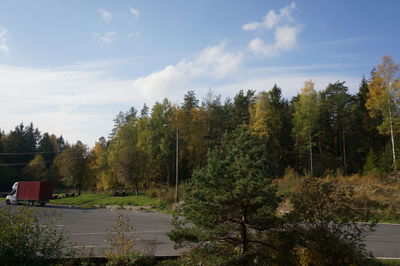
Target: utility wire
column 19, row 164
column 28, row 153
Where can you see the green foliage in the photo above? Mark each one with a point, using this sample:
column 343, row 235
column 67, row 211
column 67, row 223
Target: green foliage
column 93, row 200
column 230, row 200
column 324, row 221
column 304, row 122
column 384, row 100
column 241, row 105
column 36, row 169
column 23, row 241
column 270, row 121
column 121, row 251
column 371, row 163
column 74, row 166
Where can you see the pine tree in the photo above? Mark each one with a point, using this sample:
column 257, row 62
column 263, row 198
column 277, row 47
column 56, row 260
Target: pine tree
column 230, row 200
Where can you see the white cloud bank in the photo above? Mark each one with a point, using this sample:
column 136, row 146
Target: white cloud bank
column 108, row 37
column 285, row 37
column 78, row 103
column 212, row 62
column 3, row 40
column 105, row 15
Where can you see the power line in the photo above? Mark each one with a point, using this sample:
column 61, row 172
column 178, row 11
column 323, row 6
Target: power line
column 28, row 153
column 20, row 164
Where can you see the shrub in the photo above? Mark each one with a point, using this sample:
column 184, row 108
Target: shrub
column 23, row 241
column 121, row 250
column 324, row 224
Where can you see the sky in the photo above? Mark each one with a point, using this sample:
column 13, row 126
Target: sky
column 70, row 66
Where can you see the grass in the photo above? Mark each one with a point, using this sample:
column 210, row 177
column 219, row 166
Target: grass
column 385, row 262
column 95, row 200
column 379, row 194
column 80, row 200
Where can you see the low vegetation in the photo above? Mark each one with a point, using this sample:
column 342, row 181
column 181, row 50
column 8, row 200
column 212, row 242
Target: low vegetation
column 379, row 194
column 23, row 241
column 231, row 215
column 101, row 200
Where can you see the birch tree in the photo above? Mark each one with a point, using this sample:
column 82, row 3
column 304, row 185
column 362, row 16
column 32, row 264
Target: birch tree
column 384, row 99
column 304, row 120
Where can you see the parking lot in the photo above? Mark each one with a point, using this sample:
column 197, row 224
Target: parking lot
column 88, row 228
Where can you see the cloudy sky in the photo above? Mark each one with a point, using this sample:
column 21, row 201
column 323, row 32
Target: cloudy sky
column 70, row 66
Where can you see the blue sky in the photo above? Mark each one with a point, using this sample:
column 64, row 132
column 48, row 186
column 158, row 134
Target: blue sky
column 71, row 66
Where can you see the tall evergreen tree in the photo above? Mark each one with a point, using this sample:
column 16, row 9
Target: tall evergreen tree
column 230, row 201
column 334, row 123
column 241, row 105
column 270, row 120
column 190, row 101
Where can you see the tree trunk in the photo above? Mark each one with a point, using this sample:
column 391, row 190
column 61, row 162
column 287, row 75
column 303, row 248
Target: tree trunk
column 344, row 153
column 243, row 234
column 167, row 176
column 392, row 136
column 311, row 157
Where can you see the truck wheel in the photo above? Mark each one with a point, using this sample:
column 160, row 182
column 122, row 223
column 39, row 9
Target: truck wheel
column 42, row 204
column 31, row 203
column 8, row 202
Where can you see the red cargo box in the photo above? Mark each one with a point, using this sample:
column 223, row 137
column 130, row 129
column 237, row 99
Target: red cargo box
column 34, row 190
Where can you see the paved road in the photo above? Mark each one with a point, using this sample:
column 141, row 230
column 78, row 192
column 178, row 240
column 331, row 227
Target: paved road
column 88, row 227
column 385, row 241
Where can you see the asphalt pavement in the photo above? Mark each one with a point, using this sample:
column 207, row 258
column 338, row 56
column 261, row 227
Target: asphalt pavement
column 88, row 228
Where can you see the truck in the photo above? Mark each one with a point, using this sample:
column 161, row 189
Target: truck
column 31, row 192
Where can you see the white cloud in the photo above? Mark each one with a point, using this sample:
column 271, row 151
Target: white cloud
column 133, row 35
column 105, row 15
column 80, row 100
column 272, row 19
column 285, row 36
column 80, row 104
column 213, row 62
column 135, row 12
column 3, row 40
column 285, row 40
column 107, row 37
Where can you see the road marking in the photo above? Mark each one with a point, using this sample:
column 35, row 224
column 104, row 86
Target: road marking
column 387, row 258
column 89, row 246
column 105, row 233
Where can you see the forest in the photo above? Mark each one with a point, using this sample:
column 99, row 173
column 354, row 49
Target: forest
column 315, row 133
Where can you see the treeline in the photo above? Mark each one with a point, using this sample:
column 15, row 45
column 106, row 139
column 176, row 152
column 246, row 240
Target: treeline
column 26, row 154
column 314, row 133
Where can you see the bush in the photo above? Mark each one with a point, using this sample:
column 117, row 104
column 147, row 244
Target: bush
column 23, row 241
column 324, row 224
column 121, row 250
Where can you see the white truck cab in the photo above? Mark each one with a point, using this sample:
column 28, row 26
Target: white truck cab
column 12, row 197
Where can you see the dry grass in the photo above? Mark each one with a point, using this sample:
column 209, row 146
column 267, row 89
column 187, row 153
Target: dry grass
column 379, row 194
